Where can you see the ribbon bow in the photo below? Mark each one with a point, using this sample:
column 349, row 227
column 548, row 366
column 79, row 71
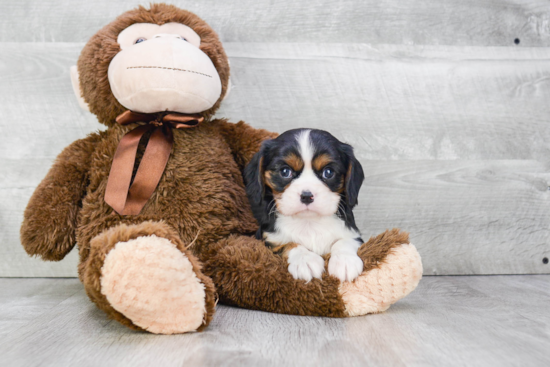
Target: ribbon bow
column 129, row 200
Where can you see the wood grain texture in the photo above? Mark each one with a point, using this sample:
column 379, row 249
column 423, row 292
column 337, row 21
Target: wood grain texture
column 391, row 102
column 22, row 300
column 466, row 22
column 399, row 102
column 447, row 321
column 455, row 140
column 40, row 112
column 465, row 217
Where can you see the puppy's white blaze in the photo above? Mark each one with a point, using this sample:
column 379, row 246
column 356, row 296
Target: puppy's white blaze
column 306, row 148
column 316, row 233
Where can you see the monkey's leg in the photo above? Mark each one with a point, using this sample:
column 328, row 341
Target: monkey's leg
column 392, row 270
column 144, row 277
column 249, row 275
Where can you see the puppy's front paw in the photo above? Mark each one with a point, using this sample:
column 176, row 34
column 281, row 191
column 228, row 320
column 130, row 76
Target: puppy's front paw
column 304, row 264
column 345, row 267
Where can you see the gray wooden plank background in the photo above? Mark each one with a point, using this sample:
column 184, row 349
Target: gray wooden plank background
column 448, row 116
column 442, row 22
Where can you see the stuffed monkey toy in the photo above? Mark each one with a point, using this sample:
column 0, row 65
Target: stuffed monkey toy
column 156, row 202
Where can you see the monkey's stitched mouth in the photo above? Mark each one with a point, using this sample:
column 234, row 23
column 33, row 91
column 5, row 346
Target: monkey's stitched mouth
column 166, row 68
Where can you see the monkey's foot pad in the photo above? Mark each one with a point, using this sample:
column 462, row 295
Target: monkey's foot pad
column 152, row 283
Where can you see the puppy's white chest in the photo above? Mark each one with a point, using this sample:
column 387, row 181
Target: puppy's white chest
column 316, row 234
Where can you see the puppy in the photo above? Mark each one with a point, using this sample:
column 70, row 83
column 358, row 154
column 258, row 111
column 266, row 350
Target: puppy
column 302, row 187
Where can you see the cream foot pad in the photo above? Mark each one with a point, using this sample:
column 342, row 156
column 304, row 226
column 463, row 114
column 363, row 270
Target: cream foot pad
column 377, row 289
column 152, row 283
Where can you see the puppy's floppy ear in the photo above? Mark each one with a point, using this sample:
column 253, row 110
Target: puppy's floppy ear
column 354, row 176
column 254, row 176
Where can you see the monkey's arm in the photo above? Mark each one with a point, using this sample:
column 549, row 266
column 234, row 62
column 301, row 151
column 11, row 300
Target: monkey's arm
column 50, row 218
column 244, row 140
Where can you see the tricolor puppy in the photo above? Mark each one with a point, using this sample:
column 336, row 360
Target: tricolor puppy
column 302, row 187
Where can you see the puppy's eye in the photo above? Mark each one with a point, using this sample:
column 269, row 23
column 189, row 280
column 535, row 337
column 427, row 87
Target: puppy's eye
column 183, row 38
column 286, row 172
column 328, row 173
column 139, row 40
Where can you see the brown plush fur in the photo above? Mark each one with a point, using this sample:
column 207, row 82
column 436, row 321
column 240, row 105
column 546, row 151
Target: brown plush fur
column 90, row 269
column 374, row 251
column 240, row 140
column 247, row 274
column 96, row 56
column 200, row 199
column 200, row 194
column 49, row 228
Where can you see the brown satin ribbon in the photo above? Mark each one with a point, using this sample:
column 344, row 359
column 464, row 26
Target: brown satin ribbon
column 129, row 200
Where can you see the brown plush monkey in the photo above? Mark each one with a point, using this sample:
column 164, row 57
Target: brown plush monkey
column 162, row 236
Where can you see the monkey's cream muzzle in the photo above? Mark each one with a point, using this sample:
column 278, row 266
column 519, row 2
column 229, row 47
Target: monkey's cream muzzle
column 171, row 75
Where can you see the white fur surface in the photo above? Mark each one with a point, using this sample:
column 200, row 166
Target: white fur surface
column 307, row 150
column 377, row 289
column 304, row 264
column 315, row 233
column 153, row 284
column 344, row 262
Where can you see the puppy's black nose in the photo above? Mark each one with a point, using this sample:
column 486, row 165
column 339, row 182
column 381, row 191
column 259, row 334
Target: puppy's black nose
column 306, row 197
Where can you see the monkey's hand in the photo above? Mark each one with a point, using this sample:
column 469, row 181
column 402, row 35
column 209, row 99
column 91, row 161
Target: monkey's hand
column 50, row 218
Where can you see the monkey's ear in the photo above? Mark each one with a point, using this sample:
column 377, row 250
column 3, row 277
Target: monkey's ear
column 229, row 86
column 75, row 81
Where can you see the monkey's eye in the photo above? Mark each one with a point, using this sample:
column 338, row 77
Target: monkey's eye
column 328, row 173
column 286, row 172
column 139, row 40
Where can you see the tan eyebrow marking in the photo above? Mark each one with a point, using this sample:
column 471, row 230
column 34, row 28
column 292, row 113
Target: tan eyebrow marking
column 295, row 162
column 320, row 161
